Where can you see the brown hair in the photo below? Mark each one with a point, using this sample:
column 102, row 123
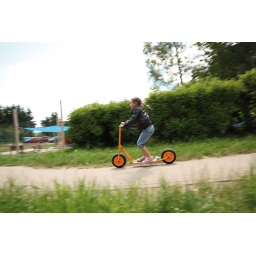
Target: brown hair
column 138, row 101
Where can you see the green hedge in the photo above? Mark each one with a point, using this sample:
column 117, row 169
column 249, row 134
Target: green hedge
column 247, row 100
column 198, row 109
column 98, row 124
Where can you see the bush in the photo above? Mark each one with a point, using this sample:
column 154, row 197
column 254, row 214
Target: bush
column 248, row 99
column 198, row 109
column 98, row 124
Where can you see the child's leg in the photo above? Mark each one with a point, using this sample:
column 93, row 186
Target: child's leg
column 144, row 136
column 145, row 152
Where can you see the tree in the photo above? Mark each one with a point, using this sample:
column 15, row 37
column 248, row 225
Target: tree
column 49, row 121
column 227, row 60
column 167, row 63
column 6, row 122
column 199, row 71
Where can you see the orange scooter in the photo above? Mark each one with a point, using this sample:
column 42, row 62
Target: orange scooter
column 168, row 156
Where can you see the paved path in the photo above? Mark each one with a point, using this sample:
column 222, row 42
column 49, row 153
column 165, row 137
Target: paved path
column 185, row 172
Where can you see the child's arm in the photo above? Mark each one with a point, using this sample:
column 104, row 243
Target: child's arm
column 135, row 115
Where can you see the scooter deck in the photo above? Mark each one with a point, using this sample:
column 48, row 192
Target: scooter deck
column 155, row 161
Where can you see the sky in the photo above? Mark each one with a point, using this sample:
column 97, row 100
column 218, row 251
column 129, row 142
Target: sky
column 39, row 75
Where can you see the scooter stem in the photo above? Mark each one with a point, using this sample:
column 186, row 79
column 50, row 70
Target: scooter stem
column 119, row 143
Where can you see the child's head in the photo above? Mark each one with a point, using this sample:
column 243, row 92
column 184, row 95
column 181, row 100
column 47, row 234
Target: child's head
column 136, row 102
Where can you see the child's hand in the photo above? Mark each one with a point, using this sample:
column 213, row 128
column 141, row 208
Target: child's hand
column 122, row 124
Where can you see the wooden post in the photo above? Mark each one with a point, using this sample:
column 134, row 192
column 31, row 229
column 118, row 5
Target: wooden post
column 57, row 123
column 16, row 131
column 62, row 129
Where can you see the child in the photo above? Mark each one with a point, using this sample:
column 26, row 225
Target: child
column 144, row 124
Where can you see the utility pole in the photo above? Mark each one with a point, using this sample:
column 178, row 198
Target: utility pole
column 62, row 128
column 16, row 131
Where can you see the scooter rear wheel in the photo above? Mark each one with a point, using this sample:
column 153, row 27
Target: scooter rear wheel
column 170, row 154
column 121, row 162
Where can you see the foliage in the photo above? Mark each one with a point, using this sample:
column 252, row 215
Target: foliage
column 49, row 121
column 226, row 60
column 199, row 71
column 198, row 109
column 98, row 124
column 6, row 122
column 165, row 62
column 248, row 98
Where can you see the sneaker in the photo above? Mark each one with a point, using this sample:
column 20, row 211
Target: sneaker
column 148, row 160
column 141, row 159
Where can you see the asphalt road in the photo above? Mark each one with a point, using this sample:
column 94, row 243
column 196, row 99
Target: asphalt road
column 182, row 172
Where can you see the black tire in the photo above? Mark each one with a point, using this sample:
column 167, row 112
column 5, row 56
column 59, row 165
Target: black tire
column 172, row 155
column 122, row 162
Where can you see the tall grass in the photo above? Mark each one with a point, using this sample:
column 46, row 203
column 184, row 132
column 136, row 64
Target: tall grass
column 99, row 157
column 85, row 197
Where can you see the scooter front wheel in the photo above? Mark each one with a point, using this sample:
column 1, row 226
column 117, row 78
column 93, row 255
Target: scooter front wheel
column 121, row 162
column 169, row 155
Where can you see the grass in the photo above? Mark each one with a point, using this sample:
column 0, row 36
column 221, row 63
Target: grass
column 101, row 157
column 85, row 197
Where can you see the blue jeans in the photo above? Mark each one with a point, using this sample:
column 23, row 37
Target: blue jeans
column 144, row 136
